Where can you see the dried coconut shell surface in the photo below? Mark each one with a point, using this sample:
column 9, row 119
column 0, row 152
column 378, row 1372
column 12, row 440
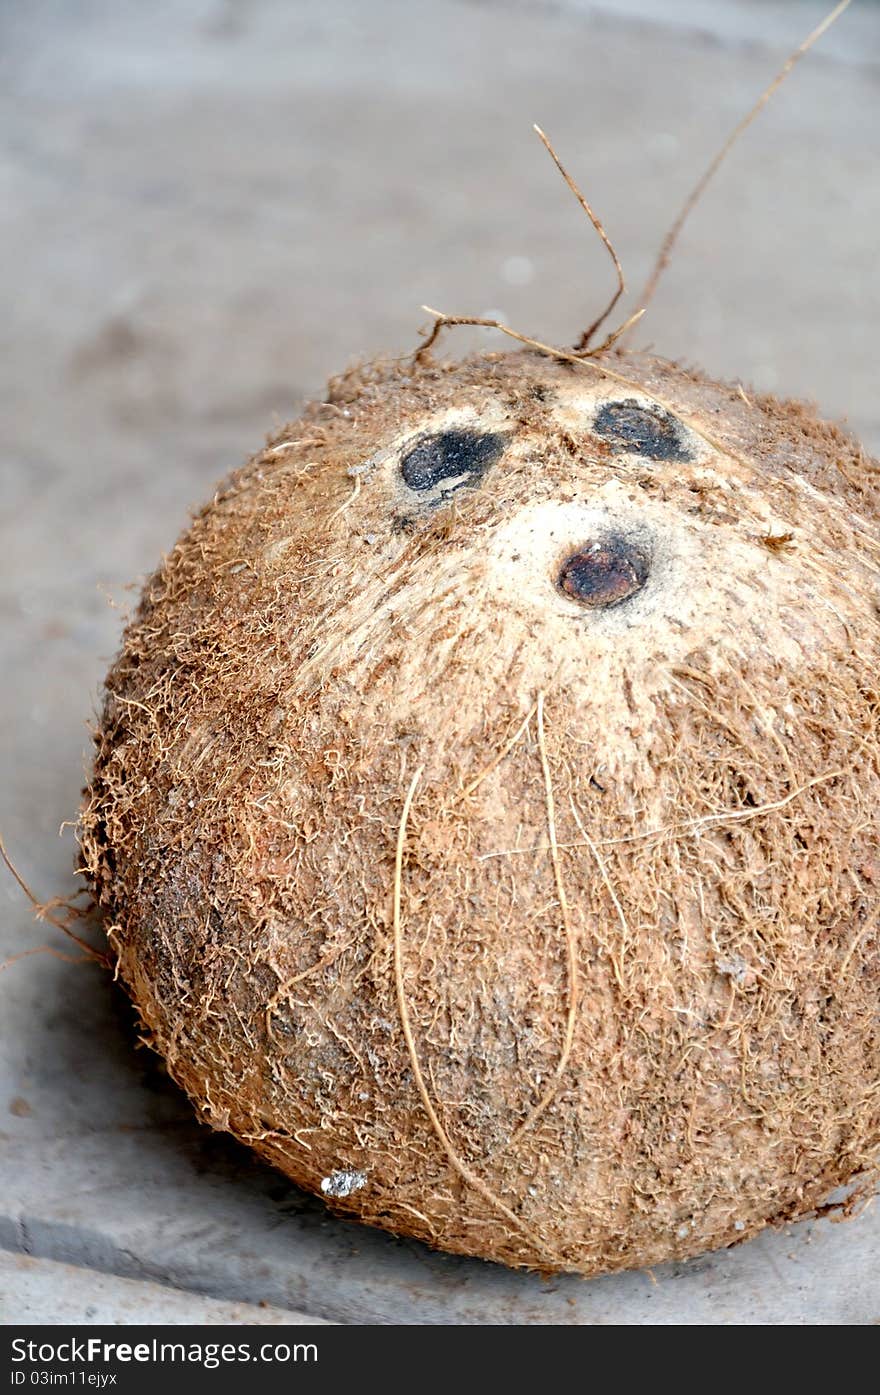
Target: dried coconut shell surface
column 485, row 808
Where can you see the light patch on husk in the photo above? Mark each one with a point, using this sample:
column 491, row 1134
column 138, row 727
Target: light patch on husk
column 343, row 1181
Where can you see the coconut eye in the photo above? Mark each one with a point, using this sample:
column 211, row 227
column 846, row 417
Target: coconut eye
column 647, row 431
column 604, row 572
column 455, row 458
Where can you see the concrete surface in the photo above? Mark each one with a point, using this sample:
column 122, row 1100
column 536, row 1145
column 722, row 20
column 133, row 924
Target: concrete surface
column 206, row 207
column 42, row 1291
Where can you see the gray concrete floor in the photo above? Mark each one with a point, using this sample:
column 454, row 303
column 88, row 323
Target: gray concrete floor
column 207, row 207
column 41, row 1291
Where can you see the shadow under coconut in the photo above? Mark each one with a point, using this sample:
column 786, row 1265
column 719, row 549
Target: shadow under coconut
column 170, row 1200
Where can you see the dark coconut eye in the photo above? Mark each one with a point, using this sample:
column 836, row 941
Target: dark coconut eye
column 604, row 573
column 459, row 456
column 647, row 431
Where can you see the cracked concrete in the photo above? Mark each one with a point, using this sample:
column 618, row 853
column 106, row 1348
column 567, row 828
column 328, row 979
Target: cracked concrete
column 209, row 206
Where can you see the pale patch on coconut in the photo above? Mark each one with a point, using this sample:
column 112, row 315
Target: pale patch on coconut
column 273, row 553
column 343, row 1181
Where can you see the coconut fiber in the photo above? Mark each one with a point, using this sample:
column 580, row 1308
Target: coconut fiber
column 485, row 808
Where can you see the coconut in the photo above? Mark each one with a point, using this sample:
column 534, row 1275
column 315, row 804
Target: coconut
column 484, row 812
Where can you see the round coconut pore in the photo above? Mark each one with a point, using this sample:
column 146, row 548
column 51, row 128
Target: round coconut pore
column 485, row 808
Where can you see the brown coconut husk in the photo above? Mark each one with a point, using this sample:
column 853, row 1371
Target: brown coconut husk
column 494, row 848
column 538, row 928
